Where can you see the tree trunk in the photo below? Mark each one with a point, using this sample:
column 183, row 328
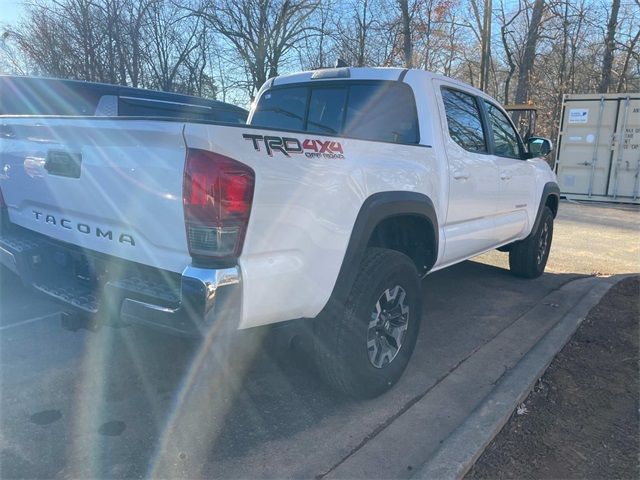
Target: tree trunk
column 406, row 32
column 609, row 46
column 528, row 58
column 362, row 35
column 485, row 60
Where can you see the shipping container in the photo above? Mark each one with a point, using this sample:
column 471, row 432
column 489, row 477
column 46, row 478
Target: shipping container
column 598, row 149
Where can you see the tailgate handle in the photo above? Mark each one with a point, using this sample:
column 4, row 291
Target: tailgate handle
column 63, row 164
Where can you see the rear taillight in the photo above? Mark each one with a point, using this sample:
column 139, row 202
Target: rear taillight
column 217, row 195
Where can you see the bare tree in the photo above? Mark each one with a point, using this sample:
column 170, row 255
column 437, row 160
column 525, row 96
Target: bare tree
column 630, row 50
column 172, row 38
column 230, row 47
column 262, row 32
column 315, row 50
column 506, row 37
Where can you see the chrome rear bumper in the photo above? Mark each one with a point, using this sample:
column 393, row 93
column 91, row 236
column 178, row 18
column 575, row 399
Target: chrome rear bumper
column 186, row 304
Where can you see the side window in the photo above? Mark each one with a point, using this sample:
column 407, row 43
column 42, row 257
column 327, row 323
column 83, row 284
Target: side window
column 281, row 108
column 230, row 116
column 45, row 97
column 464, row 121
column 505, row 138
column 382, row 112
column 326, row 110
column 147, row 107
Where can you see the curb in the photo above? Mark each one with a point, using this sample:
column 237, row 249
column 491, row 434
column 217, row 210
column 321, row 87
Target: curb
column 463, row 447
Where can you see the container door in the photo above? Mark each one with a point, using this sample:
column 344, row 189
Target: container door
column 625, row 171
column 584, row 154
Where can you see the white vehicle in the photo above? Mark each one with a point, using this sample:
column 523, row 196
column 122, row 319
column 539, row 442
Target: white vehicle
column 346, row 187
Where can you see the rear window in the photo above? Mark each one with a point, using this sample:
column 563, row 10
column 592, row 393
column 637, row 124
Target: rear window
column 282, row 108
column 380, row 111
column 326, row 110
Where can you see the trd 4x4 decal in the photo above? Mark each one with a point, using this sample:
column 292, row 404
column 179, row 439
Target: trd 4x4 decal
column 312, row 148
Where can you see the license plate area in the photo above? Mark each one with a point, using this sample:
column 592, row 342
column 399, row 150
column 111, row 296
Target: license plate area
column 77, row 267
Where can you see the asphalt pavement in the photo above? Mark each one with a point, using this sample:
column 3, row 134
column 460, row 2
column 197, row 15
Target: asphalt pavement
column 130, row 402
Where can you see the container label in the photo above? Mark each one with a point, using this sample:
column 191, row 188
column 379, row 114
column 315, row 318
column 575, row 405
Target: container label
column 578, row 115
column 631, row 139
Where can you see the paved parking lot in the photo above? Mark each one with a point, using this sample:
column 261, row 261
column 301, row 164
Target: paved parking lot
column 130, row 402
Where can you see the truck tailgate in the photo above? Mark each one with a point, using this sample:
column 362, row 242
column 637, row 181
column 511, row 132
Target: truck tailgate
column 109, row 185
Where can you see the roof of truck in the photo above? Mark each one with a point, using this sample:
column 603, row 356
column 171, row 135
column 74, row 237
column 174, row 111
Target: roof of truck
column 48, row 84
column 355, row 73
column 364, row 73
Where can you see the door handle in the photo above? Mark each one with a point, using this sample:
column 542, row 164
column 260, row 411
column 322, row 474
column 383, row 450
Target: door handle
column 461, row 175
column 63, row 164
column 505, row 176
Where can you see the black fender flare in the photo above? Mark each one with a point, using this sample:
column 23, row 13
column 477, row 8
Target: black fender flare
column 550, row 189
column 375, row 209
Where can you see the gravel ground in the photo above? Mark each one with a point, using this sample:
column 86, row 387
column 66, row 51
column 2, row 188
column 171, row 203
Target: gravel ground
column 581, row 420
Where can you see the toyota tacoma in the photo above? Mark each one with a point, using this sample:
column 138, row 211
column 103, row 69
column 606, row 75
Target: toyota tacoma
column 345, row 187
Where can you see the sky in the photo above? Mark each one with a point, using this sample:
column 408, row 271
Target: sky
column 10, row 10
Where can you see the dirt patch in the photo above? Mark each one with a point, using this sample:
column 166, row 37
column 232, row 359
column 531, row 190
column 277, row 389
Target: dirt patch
column 581, row 419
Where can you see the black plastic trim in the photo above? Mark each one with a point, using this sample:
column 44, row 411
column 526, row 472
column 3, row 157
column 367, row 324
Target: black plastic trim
column 610, row 166
column 375, row 209
column 550, row 189
column 191, row 312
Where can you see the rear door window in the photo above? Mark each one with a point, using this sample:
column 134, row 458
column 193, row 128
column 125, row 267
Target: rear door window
column 464, row 120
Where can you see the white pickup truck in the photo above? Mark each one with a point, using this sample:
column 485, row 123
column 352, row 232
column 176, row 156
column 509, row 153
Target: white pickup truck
column 346, row 186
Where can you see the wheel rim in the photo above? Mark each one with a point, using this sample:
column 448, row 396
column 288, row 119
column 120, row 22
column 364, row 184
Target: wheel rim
column 543, row 242
column 387, row 327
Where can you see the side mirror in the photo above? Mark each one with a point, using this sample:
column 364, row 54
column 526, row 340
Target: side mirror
column 538, row 146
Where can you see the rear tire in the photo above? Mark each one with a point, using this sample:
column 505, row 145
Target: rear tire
column 362, row 347
column 528, row 257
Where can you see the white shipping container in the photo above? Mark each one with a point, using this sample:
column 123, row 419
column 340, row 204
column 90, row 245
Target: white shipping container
column 598, row 149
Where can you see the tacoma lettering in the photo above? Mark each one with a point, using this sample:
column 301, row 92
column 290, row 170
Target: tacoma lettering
column 83, row 228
